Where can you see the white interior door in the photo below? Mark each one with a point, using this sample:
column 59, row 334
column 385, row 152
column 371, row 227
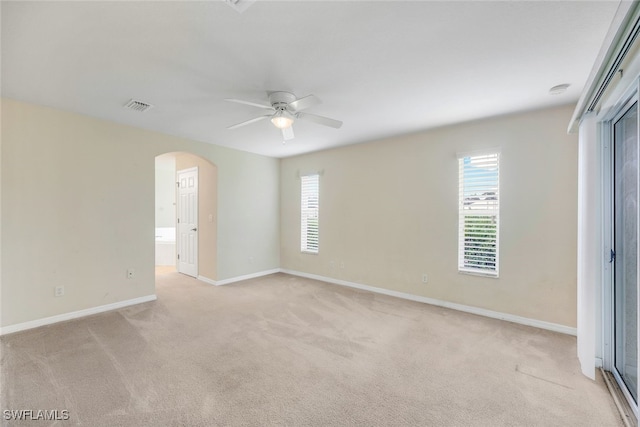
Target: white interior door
column 187, row 219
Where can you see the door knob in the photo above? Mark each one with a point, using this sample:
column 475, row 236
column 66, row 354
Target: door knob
column 194, row 229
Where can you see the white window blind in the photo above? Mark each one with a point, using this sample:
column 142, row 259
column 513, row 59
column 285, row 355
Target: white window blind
column 309, row 210
column 479, row 214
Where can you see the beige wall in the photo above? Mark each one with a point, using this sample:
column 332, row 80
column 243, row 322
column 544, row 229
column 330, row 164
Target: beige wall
column 207, row 208
column 166, row 190
column 78, row 210
column 388, row 212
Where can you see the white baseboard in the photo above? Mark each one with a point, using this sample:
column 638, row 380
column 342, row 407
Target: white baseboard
column 206, row 280
column 460, row 307
column 468, row 309
column 241, row 278
column 598, row 362
column 74, row 315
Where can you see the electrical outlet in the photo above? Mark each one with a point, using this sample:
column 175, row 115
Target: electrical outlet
column 58, row 291
column 131, row 273
column 425, row 279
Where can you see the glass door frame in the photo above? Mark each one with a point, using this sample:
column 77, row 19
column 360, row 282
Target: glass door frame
column 608, row 296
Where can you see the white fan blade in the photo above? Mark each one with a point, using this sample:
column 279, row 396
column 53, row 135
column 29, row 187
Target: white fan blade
column 321, row 120
column 287, row 133
column 246, row 122
column 253, row 104
column 305, row 102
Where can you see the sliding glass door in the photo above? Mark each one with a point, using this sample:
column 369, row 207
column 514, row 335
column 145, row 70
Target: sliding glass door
column 624, row 253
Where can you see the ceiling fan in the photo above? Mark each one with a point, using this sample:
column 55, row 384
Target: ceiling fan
column 285, row 108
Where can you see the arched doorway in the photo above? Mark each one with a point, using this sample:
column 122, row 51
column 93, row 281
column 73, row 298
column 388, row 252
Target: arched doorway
column 168, row 167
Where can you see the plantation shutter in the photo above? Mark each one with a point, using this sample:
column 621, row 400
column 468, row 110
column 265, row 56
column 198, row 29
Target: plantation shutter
column 309, row 209
column 479, row 214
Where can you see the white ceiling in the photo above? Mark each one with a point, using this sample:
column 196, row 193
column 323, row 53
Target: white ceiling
column 383, row 67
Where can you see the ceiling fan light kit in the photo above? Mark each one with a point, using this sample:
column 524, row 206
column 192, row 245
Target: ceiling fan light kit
column 285, row 108
column 282, row 119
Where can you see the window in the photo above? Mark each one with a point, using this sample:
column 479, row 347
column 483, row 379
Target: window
column 309, row 195
column 478, row 223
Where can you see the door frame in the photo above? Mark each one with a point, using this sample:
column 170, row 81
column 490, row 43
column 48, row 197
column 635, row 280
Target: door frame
column 608, row 121
column 197, row 224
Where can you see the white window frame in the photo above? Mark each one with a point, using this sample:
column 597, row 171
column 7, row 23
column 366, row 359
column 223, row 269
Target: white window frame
column 607, row 122
column 479, row 196
column 309, row 211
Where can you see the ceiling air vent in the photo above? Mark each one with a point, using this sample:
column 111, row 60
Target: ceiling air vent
column 138, row 105
column 240, row 5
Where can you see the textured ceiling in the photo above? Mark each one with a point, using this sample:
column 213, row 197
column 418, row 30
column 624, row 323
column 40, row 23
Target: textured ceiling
column 384, row 68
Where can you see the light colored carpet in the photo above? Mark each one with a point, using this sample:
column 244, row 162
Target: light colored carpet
column 282, row 350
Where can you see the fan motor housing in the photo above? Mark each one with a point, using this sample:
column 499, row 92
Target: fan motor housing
column 281, row 99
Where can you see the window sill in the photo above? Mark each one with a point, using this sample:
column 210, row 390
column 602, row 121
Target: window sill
column 479, row 274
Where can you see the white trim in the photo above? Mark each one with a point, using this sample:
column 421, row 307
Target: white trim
column 608, row 122
column 478, row 152
column 589, row 267
column 598, row 362
column 611, row 46
column 309, row 173
column 191, row 169
column 241, row 278
column 606, row 232
column 473, row 182
column 465, row 308
column 469, row 272
column 310, row 213
column 206, row 280
column 74, row 315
